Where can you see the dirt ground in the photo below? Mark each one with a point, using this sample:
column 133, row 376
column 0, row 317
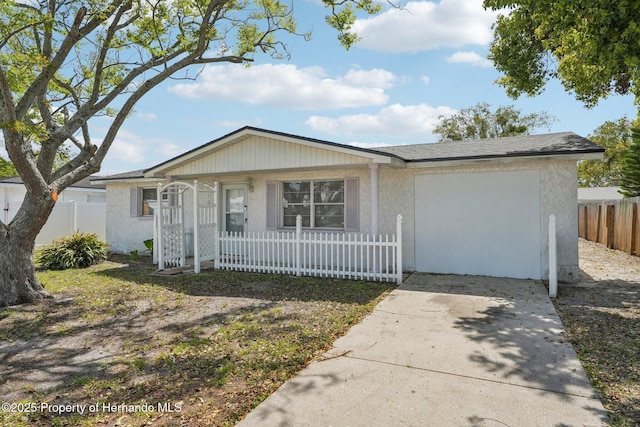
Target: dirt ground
column 599, row 264
column 601, row 318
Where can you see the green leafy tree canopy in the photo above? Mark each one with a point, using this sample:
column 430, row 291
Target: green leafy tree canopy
column 590, row 46
column 6, row 168
column 479, row 122
column 63, row 62
column 630, row 181
column 615, row 138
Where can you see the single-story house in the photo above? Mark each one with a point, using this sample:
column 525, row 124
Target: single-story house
column 80, row 206
column 469, row 207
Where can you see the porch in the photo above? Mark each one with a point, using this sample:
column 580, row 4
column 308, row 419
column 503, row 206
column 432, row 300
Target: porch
column 190, row 230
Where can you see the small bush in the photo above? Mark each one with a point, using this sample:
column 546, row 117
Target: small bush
column 78, row 250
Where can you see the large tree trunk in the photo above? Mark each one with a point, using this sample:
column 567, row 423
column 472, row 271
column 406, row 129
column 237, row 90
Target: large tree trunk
column 18, row 282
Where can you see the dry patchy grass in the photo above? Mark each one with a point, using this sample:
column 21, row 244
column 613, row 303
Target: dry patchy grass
column 601, row 316
column 208, row 347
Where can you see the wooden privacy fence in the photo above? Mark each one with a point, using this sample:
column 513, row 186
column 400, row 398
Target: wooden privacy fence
column 341, row 255
column 615, row 224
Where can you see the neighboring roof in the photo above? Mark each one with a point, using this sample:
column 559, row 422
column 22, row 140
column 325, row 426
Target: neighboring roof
column 598, row 194
column 516, row 146
column 137, row 174
column 83, row 183
column 564, row 143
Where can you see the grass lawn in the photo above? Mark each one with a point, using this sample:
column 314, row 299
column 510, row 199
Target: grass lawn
column 131, row 348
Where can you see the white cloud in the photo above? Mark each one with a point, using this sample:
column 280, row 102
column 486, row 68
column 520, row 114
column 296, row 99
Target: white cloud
column 287, row 86
column 425, row 79
column 396, row 120
column 131, row 150
column 169, row 150
column 469, row 58
column 147, row 117
column 425, row 25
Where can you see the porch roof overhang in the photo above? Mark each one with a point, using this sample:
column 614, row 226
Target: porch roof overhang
column 343, row 156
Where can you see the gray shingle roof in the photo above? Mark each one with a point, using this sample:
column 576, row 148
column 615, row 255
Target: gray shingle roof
column 125, row 175
column 517, row 146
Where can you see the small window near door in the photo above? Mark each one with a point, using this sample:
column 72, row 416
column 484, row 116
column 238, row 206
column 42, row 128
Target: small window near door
column 143, row 201
column 149, row 196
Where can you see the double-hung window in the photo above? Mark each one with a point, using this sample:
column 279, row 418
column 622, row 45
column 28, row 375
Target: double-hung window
column 327, row 204
column 321, row 203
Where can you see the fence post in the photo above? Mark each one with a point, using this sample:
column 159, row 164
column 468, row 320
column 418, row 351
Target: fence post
column 160, row 224
column 196, row 227
column 634, row 228
column 298, row 244
column 399, row 252
column 217, row 251
column 155, row 237
column 611, row 212
column 75, row 216
column 553, row 264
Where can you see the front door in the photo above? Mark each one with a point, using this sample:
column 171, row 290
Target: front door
column 234, row 205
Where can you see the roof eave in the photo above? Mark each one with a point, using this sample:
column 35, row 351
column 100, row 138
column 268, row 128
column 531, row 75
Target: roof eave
column 465, row 160
column 140, row 179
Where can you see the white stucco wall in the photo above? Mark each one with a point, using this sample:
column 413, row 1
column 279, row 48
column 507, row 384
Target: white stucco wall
column 559, row 183
column 124, row 232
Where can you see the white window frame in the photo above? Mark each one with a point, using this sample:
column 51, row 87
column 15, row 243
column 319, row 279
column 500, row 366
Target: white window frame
column 138, row 202
column 313, row 203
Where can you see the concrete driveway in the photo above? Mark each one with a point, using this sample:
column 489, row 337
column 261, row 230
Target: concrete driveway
column 444, row 350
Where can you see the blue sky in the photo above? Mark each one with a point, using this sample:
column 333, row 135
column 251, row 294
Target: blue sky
column 411, row 66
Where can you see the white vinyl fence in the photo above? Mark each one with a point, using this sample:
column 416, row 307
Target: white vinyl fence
column 68, row 217
column 341, row 255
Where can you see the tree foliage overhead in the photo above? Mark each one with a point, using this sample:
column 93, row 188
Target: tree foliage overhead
column 615, row 137
column 591, row 46
column 63, row 62
column 479, row 122
column 6, row 168
column 630, row 181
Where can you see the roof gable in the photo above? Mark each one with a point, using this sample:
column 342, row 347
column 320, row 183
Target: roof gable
column 252, row 149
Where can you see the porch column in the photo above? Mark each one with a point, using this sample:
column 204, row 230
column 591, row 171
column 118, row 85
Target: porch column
column 373, row 168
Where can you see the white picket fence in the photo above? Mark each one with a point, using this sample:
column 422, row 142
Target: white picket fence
column 340, row 255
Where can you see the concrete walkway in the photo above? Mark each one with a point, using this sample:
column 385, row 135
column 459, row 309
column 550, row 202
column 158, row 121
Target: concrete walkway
column 444, row 350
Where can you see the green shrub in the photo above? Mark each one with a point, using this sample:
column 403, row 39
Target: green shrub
column 78, row 250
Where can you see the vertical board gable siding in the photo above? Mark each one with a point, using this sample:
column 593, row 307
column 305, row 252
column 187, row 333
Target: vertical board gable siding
column 259, row 153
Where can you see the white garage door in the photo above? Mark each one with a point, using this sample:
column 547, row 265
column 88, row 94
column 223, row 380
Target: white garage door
column 484, row 223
